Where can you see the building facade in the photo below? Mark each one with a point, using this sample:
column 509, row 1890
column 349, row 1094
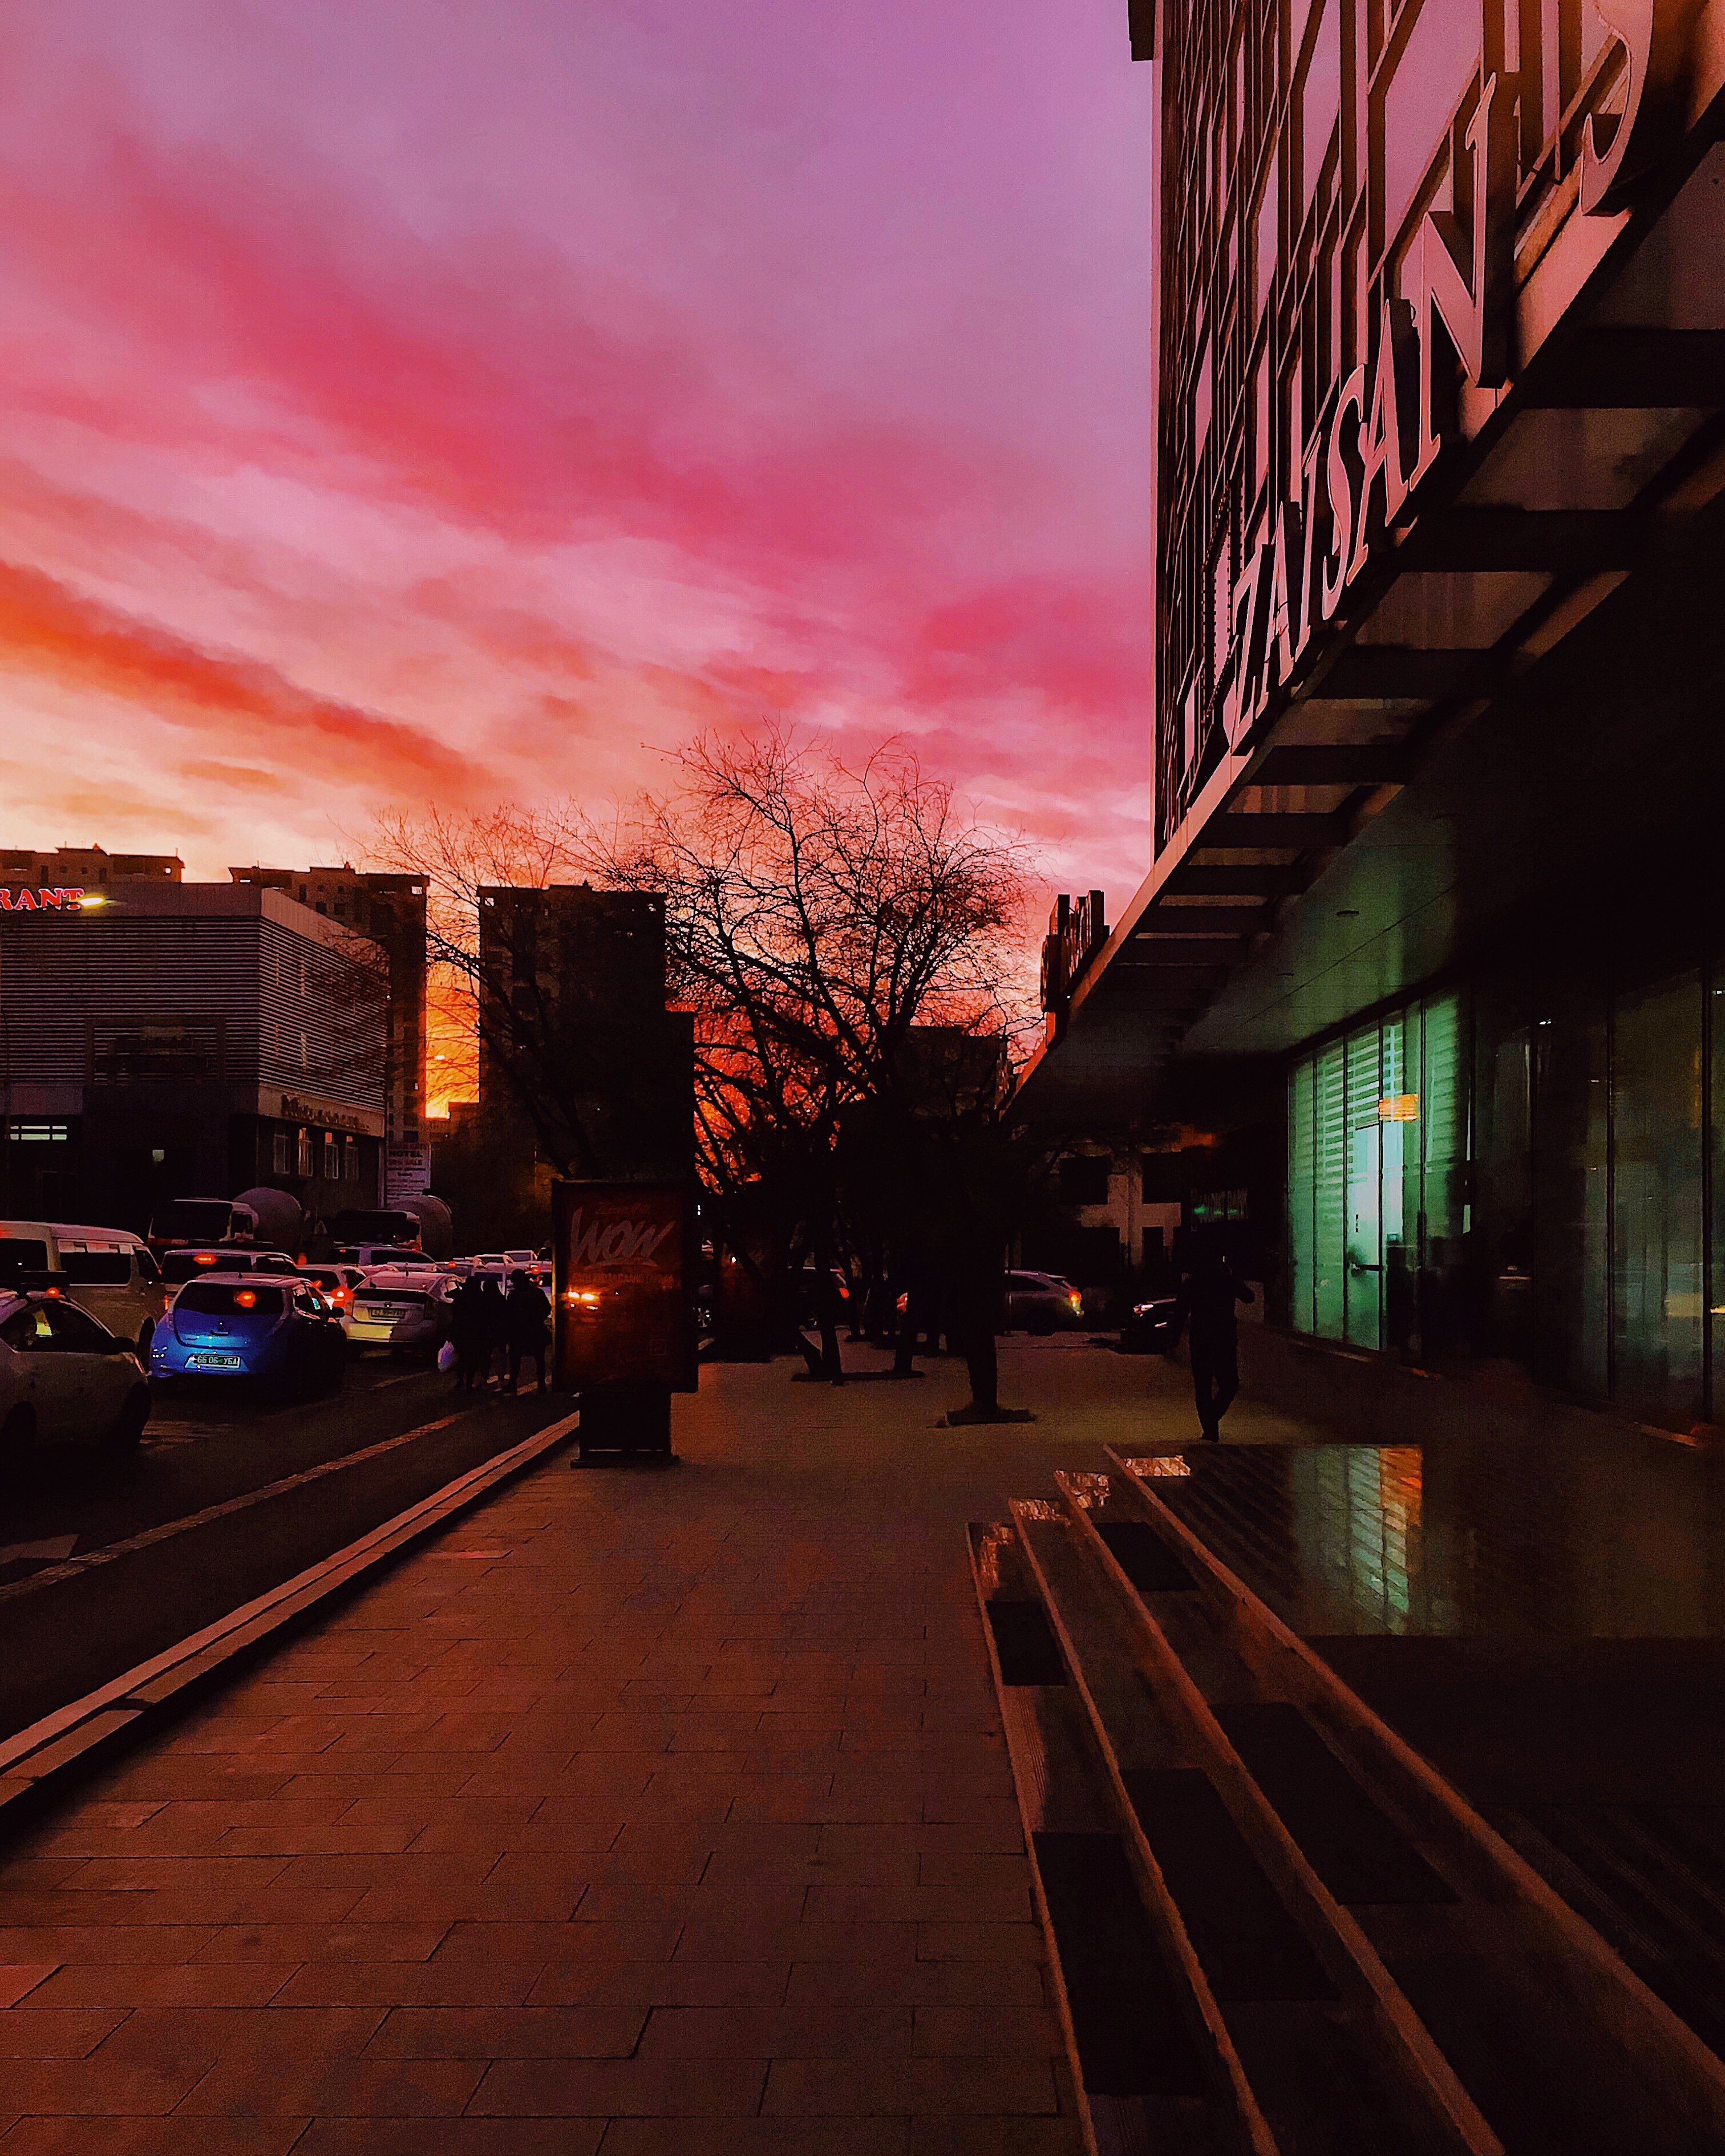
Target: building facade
column 188, row 1040
column 389, row 911
column 1430, row 931
column 84, row 868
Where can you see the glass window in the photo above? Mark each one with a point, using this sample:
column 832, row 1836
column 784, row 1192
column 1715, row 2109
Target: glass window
column 279, row 1154
column 230, row 1299
column 97, row 1268
column 1657, row 1320
column 331, row 1159
column 1571, row 1183
column 21, row 1253
column 73, row 1331
column 1330, row 1194
column 1302, row 1191
column 186, row 1265
column 1365, row 1248
column 303, row 1165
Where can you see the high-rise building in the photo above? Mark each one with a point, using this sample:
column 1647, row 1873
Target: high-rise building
column 575, row 1041
column 389, row 909
column 1426, row 975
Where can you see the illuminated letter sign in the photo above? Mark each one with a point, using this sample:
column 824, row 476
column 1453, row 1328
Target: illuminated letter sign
column 42, row 899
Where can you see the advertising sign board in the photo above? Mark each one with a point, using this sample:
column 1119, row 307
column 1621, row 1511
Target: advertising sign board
column 407, row 1173
column 621, row 1284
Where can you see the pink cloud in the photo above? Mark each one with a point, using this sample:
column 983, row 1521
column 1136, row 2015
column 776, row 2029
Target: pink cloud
column 506, row 393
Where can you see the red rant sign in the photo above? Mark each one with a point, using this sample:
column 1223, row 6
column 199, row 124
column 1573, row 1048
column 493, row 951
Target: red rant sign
column 620, row 1285
column 40, row 901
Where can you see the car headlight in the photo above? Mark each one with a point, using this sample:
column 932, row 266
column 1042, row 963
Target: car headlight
column 1148, row 1309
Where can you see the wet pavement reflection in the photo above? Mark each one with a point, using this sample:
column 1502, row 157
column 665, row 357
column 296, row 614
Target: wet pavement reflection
column 1614, row 1540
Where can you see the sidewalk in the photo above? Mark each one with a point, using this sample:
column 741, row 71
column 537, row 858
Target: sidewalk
column 645, row 1812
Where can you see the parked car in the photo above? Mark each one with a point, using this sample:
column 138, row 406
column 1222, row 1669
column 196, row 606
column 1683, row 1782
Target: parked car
column 1040, row 1303
column 1149, row 1325
column 401, row 1307
column 64, row 1378
column 111, row 1274
column 179, row 1266
column 335, row 1284
column 243, row 1324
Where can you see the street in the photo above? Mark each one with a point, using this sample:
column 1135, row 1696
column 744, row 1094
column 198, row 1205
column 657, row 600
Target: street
column 106, row 1562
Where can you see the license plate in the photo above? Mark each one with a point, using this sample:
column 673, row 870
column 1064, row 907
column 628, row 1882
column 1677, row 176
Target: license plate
column 214, row 1362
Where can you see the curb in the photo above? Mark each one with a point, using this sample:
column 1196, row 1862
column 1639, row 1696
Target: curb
column 41, row 1761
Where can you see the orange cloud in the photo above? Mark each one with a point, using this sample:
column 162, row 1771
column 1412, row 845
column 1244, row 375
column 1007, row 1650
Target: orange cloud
column 47, row 630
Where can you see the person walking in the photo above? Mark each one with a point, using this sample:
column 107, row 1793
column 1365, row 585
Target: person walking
column 1205, row 1309
column 497, row 1318
column 526, row 1316
column 467, row 1335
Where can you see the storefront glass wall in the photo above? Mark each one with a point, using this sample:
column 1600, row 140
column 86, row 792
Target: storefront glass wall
column 1539, row 1178
column 1377, row 1157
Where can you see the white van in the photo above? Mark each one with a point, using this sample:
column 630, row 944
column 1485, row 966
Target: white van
column 108, row 1272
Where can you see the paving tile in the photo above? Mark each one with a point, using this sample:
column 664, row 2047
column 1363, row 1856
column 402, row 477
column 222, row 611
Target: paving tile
column 621, row 2088
column 19, row 1979
column 407, row 1984
column 49, row 2032
column 777, row 2032
column 662, row 1984
column 98, row 1942
column 995, row 2031
column 908, row 2087
column 511, row 2032
column 536, row 1945
column 297, row 1942
column 334, row 2087
column 81, row 2136
column 878, row 1945
column 757, row 2137
column 993, row 1983
column 100, row 2088
column 1004, row 1902
column 449, row 2137
column 947, row 2136
column 963, row 1942
column 185, row 1983
column 161, row 2036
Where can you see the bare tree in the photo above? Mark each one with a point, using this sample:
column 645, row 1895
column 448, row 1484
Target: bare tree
column 821, row 919
column 820, row 916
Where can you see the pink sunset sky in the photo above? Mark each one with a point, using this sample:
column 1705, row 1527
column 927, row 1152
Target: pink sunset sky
column 410, row 401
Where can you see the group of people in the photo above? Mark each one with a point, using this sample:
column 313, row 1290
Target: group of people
column 484, row 1321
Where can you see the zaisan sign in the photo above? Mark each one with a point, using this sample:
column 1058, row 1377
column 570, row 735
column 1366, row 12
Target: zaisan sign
column 1385, row 426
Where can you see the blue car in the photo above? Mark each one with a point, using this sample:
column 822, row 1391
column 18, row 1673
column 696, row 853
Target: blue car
column 247, row 1325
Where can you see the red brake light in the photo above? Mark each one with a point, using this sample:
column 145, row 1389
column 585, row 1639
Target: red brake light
column 206, row 1258
column 244, row 1299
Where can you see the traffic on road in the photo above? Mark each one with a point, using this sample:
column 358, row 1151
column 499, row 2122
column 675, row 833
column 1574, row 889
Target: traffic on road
column 183, row 1427
column 98, row 1330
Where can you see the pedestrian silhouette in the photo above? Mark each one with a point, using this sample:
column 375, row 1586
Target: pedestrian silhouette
column 1204, row 1308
